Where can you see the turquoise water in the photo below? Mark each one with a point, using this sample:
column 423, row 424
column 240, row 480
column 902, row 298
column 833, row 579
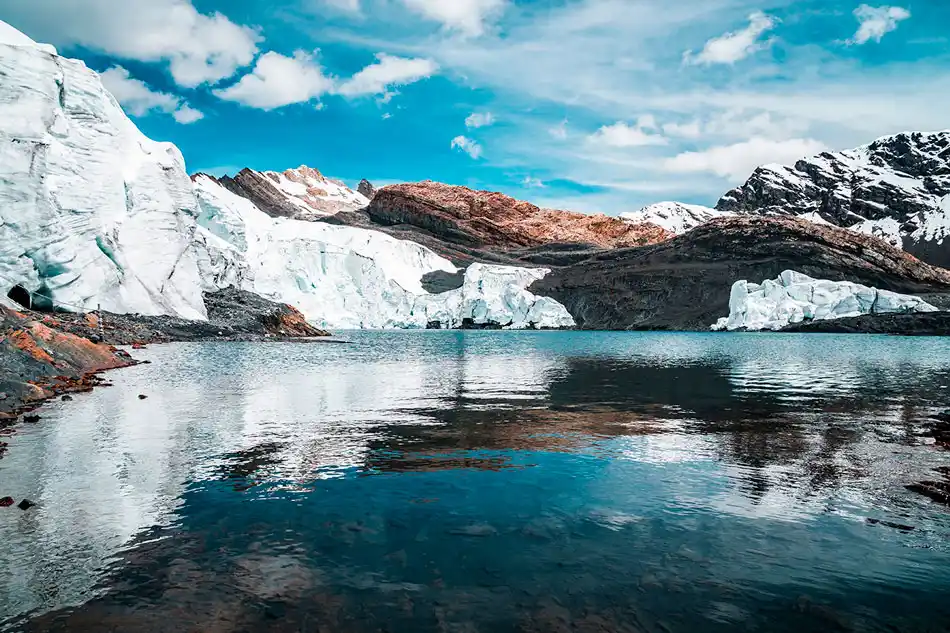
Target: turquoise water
column 492, row 482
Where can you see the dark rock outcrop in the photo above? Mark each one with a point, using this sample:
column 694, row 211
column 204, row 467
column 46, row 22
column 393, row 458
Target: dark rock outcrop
column 897, row 186
column 366, row 188
column 684, row 284
column 919, row 324
column 233, row 315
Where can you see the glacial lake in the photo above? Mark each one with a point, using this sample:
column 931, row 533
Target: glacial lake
column 491, row 482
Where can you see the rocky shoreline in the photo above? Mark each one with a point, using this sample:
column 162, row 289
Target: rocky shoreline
column 47, row 355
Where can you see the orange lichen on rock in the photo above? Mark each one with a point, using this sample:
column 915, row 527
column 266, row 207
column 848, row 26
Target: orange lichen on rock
column 23, row 341
column 485, row 218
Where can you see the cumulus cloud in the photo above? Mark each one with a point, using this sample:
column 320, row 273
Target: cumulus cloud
column 386, row 73
column 467, row 145
column 736, row 162
column 138, row 99
column 479, row 119
column 466, row 16
column 620, row 134
column 533, row 183
column 278, row 80
column 198, row 47
column 735, row 46
column 876, row 22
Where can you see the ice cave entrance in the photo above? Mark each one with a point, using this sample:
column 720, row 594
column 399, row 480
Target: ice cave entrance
column 28, row 300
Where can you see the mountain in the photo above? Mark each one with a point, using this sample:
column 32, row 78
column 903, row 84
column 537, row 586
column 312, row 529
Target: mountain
column 346, row 277
column 686, row 282
column 896, row 188
column 303, row 193
column 91, row 211
column 466, row 225
column 675, row 217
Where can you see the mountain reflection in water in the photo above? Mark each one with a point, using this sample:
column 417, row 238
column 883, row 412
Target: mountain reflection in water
column 491, row 481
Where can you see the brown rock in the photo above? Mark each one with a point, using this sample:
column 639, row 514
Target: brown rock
column 488, row 219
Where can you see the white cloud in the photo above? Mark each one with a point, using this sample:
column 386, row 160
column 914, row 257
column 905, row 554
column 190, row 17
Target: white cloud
column 350, row 6
column 876, row 22
column 736, row 162
column 199, row 48
column 466, row 16
column 138, row 99
column 467, row 145
column 533, row 183
column 622, row 135
column 479, row 119
column 735, row 46
column 185, row 114
column 689, row 129
column 278, row 81
column 559, row 131
column 388, row 71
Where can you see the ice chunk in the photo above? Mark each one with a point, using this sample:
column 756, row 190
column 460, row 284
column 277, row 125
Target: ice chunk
column 794, row 297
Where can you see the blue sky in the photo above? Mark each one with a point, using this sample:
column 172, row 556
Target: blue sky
column 591, row 105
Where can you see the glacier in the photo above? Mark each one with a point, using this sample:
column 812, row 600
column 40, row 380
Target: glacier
column 795, row 297
column 350, row 278
column 91, row 211
column 495, row 295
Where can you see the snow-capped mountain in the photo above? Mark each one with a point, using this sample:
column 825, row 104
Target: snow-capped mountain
column 303, row 193
column 675, row 217
column 896, row 188
column 91, row 211
column 344, row 277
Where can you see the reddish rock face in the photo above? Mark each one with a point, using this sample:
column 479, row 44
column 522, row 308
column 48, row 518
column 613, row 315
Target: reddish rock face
column 38, row 361
column 487, row 219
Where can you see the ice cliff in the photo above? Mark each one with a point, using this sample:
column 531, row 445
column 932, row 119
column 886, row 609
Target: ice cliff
column 91, row 211
column 794, row 298
column 344, row 277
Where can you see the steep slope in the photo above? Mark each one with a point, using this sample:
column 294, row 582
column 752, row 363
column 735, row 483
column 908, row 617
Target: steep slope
column 303, row 193
column 685, row 283
column 345, row 277
column 465, row 225
column 896, row 188
column 675, row 217
column 91, row 211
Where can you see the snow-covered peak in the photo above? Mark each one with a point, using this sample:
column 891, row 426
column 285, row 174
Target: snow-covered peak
column 896, row 188
column 12, row 37
column 91, row 211
column 303, row 193
column 675, row 217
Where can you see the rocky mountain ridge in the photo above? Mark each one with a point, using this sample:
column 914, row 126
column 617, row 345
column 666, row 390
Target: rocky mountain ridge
column 302, row 193
column 896, row 188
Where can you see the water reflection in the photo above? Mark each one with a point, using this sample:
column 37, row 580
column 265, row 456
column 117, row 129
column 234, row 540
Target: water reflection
column 436, row 481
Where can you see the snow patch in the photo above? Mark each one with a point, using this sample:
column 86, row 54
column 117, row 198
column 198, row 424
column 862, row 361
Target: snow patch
column 794, row 298
column 675, row 217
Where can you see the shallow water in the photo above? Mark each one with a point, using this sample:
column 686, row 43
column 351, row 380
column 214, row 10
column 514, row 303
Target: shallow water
column 489, row 481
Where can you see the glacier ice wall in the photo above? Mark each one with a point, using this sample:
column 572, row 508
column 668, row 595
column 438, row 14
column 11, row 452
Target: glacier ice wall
column 91, row 211
column 495, row 295
column 344, row 277
column 794, row 297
